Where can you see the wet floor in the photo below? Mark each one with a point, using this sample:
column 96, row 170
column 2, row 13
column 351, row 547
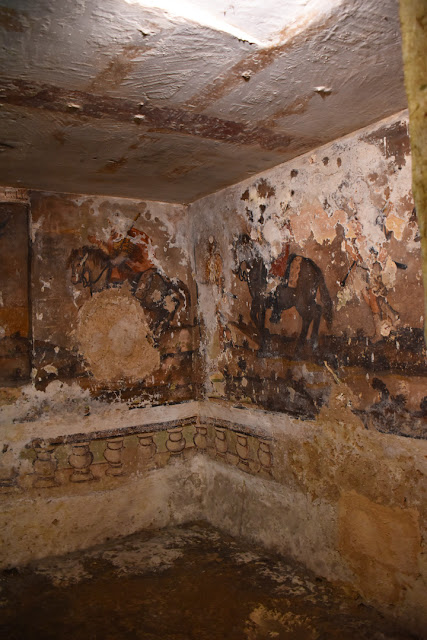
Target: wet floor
column 182, row 583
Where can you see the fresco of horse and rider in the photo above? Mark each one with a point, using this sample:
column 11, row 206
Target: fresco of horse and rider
column 113, row 298
column 315, row 286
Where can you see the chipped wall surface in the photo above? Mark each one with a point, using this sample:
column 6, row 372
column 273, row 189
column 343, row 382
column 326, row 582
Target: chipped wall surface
column 314, row 275
column 98, row 315
column 349, row 503
column 113, row 297
column 40, row 523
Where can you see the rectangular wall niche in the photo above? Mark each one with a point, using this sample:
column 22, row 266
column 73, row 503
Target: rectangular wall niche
column 15, row 351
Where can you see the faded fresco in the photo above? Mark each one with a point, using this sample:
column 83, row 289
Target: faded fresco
column 314, row 278
column 111, row 295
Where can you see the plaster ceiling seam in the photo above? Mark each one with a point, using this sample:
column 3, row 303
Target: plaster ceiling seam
column 255, row 62
column 315, row 151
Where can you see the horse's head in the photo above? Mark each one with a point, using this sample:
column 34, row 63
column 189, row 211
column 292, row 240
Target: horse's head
column 77, row 262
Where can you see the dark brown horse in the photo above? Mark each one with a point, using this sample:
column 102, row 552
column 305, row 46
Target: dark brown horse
column 158, row 294
column 302, row 295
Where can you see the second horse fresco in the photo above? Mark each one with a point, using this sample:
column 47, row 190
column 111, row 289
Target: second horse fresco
column 320, row 284
column 299, row 284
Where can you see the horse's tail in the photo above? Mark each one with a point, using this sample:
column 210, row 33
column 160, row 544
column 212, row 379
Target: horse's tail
column 325, row 298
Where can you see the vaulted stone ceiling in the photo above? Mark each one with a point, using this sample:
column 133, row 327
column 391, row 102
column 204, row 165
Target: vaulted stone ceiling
column 170, row 100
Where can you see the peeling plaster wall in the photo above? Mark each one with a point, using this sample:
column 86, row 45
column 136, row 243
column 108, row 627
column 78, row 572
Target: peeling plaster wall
column 97, row 314
column 330, row 239
column 311, row 273
column 137, row 249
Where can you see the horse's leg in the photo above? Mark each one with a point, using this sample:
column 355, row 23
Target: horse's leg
column 175, row 309
column 317, row 314
column 276, row 313
column 306, row 321
column 90, row 283
column 254, row 311
column 261, row 318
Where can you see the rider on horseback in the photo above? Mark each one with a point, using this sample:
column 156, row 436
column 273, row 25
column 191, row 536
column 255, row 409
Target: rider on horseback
column 128, row 254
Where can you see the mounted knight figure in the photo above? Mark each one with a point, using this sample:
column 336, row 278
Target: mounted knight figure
column 298, row 287
column 125, row 258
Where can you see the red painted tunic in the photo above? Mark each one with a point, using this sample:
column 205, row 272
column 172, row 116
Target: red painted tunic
column 129, row 255
column 278, row 267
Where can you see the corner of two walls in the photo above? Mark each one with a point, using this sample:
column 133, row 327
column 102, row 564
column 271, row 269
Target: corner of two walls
column 98, row 333
column 276, row 324
column 311, row 299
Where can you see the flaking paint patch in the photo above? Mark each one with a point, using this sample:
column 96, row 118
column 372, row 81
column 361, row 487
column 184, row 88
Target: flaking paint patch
column 347, row 208
column 114, row 337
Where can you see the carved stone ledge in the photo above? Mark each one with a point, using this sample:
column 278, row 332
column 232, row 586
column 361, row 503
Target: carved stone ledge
column 120, row 432
column 265, row 457
column 200, row 439
column 221, row 445
column 242, row 449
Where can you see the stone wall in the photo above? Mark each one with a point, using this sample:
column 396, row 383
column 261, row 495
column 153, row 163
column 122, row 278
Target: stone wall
column 346, row 502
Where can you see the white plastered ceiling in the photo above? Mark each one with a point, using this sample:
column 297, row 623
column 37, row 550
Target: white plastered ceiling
column 171, row 101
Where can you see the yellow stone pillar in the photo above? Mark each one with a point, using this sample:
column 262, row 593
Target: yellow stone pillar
column 413, row 17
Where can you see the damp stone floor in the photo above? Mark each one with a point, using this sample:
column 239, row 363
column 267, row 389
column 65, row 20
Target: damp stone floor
column 182, row 583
